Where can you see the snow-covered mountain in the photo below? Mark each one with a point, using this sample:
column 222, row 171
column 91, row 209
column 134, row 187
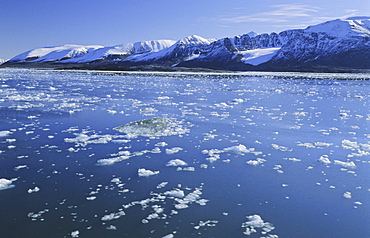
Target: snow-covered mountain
column 342, row 44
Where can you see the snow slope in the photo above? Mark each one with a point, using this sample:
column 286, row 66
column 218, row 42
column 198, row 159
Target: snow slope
column 123, row 50
column 54, row 53
column 356, row 26
column 258, row 56
column 185, row 47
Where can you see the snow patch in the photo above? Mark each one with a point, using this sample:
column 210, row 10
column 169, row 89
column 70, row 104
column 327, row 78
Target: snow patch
column 258, row 56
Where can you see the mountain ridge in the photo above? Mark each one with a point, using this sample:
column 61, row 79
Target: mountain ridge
column 341, row 44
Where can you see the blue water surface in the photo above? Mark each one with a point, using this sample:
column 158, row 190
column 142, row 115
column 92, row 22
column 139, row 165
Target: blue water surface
column 263, row 154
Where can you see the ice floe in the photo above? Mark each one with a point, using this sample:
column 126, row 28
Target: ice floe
column 214, row 154
column 256, row 162
column 255, row 223
column 346, row 164
column 173, row 150
column 5, row 133
column 146, row 127
column 75, row 233
column 146, row 172
column 347, row 195
column 209, row 223
column 324, row 159
column 176, row 162
column 113, row 216
column 6, row 183
column 33, row 190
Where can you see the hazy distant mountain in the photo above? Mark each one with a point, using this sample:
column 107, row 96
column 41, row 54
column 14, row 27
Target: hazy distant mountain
column 338, row 45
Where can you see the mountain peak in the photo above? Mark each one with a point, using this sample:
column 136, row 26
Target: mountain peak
column 252, row 34
column 353, row 26
column 193, row 40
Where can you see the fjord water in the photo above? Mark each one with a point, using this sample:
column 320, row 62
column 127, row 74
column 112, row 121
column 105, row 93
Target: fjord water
column 241, row 155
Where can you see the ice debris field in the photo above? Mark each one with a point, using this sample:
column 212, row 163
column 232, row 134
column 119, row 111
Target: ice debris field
column 109, row 154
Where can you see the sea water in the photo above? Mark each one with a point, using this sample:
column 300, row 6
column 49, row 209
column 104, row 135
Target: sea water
column 114, row 154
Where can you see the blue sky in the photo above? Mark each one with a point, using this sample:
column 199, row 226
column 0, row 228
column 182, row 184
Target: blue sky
column 29, row 24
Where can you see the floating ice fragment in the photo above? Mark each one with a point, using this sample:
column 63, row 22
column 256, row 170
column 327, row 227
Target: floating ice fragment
column 6, row 184
column 34, row 190
column 39, row 214
column 280, row 147
column 113, row 216
column 181, row 206
column 256, row 162
column 11, row 140
column 161, row 144
column 348, row 164
column 146, row 172
column 111, row 228
column 173, row 150
column 254, row 222
column 324, row 159
column 116, row 180
column 192, row 169
column 209, row 223
column 162, row 185
column 237, row 149
column 20, row 167
column 75, row 233
column 176, row 162
column 293, row 159
column 5, row 133
column 168, row 236
column 347, row 195
column 175, row 193
column 347, row 144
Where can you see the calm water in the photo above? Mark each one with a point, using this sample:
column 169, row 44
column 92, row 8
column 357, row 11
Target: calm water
column 253, row 155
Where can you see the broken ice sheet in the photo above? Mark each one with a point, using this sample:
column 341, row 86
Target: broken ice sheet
column 6, row 183
column 152, row 127
column 176, row 162
column 143, row 127
column 256, row 223
column 146, row 172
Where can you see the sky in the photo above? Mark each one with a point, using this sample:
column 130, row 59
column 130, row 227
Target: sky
column 30, row 24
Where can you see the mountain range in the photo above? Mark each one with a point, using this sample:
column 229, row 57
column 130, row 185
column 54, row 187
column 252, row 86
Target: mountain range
column 341, row 45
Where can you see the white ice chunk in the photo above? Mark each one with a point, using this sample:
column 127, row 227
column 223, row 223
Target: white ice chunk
column 20, row 167
column 324, row 159
column 173, row 150
column 347, row 195
column 256, row 162
column 176, row 162
column 6, row 184
column 255, row 221
column 237, row 149
column 178, row 193
column 113, row 216
column 168, row 236
column 5, row 133
column 348, row 164
column 34, row 190
column 146, row 172
column 75, row 233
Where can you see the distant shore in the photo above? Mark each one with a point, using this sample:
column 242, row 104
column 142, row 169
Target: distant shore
column 160, row 68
